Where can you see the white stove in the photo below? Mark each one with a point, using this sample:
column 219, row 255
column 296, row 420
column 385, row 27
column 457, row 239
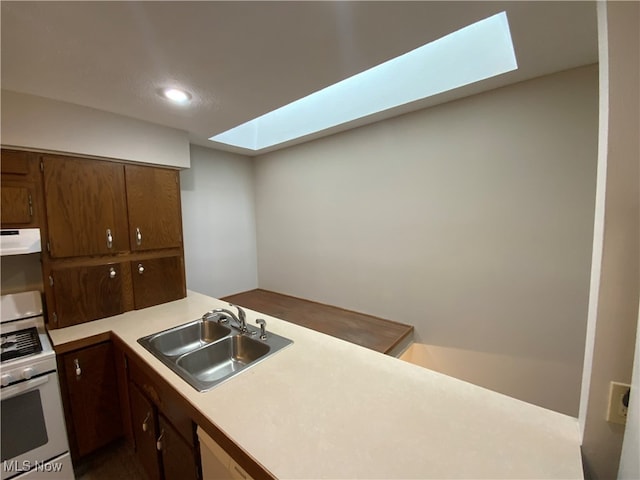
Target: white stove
column 34, row 439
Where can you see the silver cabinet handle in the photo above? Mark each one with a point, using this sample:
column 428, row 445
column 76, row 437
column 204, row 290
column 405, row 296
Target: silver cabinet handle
column 138, row 236
column 112, row 272
column 140, row 269
column 145, row 423
column 77, row 365
column 159, row 441
column 109, row 238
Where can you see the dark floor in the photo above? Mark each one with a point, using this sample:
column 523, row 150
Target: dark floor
column 115, row 461
column 378, row 334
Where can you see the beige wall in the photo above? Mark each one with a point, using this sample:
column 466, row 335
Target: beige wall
column 613, row 309
column 41, row 123
column 218, row 218
column 470, row 220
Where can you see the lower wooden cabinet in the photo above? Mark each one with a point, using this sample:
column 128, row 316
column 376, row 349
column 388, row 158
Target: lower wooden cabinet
column 177, row 456
column 145, row 432
column 163, row 433
column 90, row 395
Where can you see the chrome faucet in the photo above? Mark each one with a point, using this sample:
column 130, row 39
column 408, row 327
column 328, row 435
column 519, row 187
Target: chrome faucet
column 240, row 319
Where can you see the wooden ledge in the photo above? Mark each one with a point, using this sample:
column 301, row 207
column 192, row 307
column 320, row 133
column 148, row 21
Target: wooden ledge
column 378, row 334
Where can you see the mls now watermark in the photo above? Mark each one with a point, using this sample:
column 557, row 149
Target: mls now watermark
column 16, row 466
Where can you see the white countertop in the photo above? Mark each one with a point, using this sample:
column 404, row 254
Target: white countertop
column 326, row 408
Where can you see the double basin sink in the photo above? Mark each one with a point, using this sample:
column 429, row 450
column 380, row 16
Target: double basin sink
column 205, row 353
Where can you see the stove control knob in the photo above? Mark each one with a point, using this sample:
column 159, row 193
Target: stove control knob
column 28, row 372
column 6, row 379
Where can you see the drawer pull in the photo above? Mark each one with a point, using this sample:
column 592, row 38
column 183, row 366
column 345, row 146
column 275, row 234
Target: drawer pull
column 76, row 363
column 112, row 272
column 138, row 236
column 140, row 269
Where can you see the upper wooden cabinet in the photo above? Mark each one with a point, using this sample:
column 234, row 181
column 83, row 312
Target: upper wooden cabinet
column 86, row 206
column 99, row 207
column 87, row 292
column 153, row 200
column 157, row 280
column 21, row 201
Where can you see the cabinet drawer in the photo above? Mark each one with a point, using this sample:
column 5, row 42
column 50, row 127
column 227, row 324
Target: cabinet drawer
column 169, row 403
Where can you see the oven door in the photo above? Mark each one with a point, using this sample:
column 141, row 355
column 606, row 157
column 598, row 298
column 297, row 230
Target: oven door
column 33, row 429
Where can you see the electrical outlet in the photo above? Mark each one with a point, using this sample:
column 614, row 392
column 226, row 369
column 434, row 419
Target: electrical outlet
column 617, row 411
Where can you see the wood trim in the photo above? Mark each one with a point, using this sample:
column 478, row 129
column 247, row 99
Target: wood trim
column 72, row 262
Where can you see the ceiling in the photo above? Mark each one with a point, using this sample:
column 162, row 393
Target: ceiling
column 240, row 60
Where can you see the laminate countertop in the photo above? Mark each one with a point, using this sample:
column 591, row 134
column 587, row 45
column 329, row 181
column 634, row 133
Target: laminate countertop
column 326, row 408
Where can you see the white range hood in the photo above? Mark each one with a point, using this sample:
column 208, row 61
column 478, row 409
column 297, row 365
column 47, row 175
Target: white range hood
column 18, row 241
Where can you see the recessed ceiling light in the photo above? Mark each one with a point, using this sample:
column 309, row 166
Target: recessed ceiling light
column 476, row 52
column 176, row 95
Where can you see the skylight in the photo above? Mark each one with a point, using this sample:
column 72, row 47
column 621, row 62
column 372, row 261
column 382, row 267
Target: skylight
column 479, row 51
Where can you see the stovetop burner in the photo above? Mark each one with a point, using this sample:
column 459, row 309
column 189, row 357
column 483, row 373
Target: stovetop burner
column 19, row 344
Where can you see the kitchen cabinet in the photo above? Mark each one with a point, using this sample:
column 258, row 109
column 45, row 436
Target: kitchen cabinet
column 163, row 433
column 91, row 398
column 114, row 238
column 145, row 433
column 88, row 292
column 86, row 206
column 99, row 207
column 178, row 458
column 157, row 280
column 21, row 196
column 153, row 200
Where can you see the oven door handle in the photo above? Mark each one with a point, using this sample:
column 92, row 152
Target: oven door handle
column 14, row 390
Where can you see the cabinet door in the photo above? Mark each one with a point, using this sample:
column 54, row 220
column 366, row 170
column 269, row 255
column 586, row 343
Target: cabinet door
column 86, row 293
column 86, row 206
column 153, row 201
column 15, row 162
column 17, row 204
column 178, row 458
column 145, row 433
column 20, row 203
column 157, row 280
column 93, row 393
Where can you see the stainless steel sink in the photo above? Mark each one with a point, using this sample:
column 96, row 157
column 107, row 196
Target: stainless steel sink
column 205, row 353
column 183, row 339
column 223, row 358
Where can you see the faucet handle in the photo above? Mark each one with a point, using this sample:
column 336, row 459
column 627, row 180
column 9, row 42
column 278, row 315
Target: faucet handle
column 263, row 328
column 241, row 313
